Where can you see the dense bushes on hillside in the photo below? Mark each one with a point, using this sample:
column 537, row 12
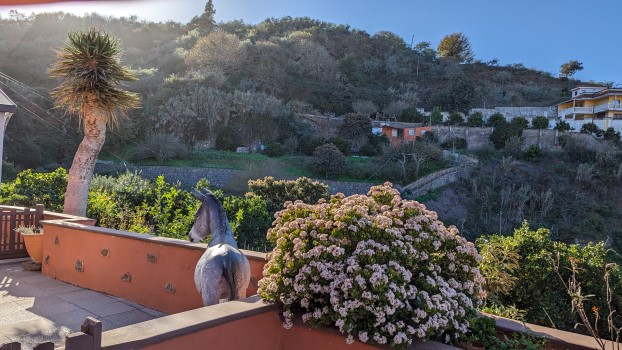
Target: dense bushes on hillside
column 574, row 191
column 232, row 83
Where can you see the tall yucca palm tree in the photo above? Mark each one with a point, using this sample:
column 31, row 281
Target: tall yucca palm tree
column 91, row 74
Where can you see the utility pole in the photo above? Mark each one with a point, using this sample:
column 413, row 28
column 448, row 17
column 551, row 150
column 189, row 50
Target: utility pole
column 412, row 42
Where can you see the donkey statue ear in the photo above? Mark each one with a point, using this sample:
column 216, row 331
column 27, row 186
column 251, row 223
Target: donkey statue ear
column 198, row 195
column 210, row 194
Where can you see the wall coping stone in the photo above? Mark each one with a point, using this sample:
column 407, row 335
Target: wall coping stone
column 142, row 237
column 160, row 329
column 574, row 341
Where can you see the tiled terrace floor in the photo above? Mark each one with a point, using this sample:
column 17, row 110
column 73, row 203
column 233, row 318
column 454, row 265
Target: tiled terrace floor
column 35, row 308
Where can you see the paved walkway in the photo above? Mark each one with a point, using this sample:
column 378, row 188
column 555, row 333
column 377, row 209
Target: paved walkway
column 35, row 308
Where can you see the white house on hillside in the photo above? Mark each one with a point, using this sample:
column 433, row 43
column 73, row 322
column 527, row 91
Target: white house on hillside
column 596, row 104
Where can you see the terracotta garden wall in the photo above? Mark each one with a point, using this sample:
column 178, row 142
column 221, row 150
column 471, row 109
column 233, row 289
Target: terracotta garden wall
column 152, row 271
column 158, row 272
column 242, row 324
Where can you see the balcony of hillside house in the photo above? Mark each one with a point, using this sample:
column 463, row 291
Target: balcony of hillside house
column 100, row 288
column 569, row 112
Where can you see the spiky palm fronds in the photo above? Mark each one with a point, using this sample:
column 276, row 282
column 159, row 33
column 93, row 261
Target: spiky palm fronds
column 92, row 74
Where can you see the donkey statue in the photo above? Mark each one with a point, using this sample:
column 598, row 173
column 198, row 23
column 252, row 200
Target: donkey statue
column 223, row 271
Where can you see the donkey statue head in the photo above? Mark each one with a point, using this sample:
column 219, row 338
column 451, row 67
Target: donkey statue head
column 210, row 218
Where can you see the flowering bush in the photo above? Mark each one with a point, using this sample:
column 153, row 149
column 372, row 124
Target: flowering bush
column 379, row 268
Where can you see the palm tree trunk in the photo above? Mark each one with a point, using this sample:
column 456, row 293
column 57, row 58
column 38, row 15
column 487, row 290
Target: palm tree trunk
column 83, row 165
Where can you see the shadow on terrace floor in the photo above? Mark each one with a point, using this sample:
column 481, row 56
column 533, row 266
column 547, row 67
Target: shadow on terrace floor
column 35, row 308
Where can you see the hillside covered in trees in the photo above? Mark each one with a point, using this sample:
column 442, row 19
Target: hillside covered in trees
column 228, row 84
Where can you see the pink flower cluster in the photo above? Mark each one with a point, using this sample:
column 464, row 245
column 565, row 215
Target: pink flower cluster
column 386, row 269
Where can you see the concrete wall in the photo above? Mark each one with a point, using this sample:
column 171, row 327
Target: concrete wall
column 541, row 138
column 512, row 112
column 601, row 123
column 156, row 272
column 477, row 138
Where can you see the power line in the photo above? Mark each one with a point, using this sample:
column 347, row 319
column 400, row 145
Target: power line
column 63, row 132
column 54, row 126
column 30, row 89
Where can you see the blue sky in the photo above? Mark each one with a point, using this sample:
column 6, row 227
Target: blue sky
column 539, row 34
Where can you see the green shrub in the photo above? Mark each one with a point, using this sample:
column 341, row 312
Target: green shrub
column 475, row 120
column 31, row 188
column 496, row 120
column 9, row 172
column 132, row 203
column 327, row 160
column 504, row 131
column 562, row 126
column 533, row 153
column 342, row 144
column 436, row 116
column 169, row 209
column 612, row 135
column 370, row 150
column 359, row 170
column 455, row 118
column 308, row 144
column 540, row 122
column 355, row 126
column 249, row 220
column 591, row 129
column 519, row 123
column 129, row 188
column 576, row 150
column 228, row 139
column 411, row 115
column 513, row 146
column 112, row 213
column 274, row 149
column 537, row 289
column 277, row 192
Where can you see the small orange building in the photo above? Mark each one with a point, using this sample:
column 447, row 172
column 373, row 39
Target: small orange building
column 398, row 132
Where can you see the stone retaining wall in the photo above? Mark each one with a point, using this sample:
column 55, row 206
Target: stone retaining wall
column 478, row 138
column 220, row 178
column 188, row 176
column 433, row 181
column 513, row 112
